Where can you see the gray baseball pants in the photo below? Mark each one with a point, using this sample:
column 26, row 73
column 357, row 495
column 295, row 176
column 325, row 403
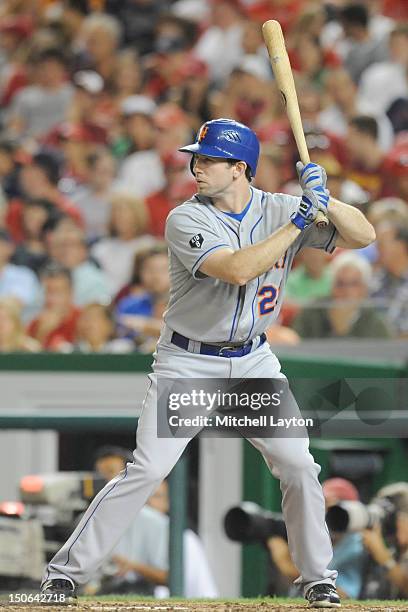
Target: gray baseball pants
column 117, row 505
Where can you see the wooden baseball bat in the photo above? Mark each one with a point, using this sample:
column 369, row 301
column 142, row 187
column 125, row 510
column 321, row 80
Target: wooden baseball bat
column 275, row 43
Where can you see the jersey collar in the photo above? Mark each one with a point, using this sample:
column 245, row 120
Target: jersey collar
column 241, row 215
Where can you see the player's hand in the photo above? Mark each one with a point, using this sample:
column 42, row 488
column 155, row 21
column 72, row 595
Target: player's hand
column 312, row 177
column 123, row 565
column 307, row 211
column 374, row 542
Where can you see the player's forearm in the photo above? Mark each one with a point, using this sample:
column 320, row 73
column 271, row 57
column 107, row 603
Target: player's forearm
column 351, row 224
column 252, row 261
column 153, row 574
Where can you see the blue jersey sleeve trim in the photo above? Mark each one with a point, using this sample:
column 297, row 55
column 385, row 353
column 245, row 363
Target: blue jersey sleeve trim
column 217, row 246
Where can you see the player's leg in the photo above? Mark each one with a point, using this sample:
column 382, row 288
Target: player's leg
column 303, row 506
column 116, row 506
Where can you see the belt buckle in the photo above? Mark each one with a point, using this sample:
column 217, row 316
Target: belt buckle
column 225, row 348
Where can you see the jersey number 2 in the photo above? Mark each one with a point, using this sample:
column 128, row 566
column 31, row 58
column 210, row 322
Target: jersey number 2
column 269, row 295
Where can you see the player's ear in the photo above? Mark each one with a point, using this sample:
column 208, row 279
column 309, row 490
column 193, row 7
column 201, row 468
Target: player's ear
column 239, row 169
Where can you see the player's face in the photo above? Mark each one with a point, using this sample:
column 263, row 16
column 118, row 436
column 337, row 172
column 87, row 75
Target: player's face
column 110, row 466
column 349, row 284
column 214, row 176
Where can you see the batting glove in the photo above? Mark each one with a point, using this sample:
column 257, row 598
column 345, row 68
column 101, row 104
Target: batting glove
column 313, row 177
column 307, row 211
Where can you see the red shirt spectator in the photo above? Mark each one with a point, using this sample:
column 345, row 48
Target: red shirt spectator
column 39, row 180
column 56, row 324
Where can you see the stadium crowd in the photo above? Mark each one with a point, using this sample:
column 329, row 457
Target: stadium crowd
column 96, row 97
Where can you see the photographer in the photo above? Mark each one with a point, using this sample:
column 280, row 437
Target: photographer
column 388, row 575
column 348, row 552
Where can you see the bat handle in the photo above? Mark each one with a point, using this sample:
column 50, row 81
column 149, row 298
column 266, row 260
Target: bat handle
column 321, row 220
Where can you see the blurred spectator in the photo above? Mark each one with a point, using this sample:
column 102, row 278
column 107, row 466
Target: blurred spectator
column 72, row 15
column 311, row 279
column 37, row 108
column 344, row 105
column 338, row 184
column 180, row 186
column 9, row 168
column 396, row 168
column 365, row 48
column 128, row 77
column 248, row 96
column 141, row 172
column 115, row 253
column 252, row 39
column 194, row 93
column 366, row 159
column 12, row 334
column 73, row 143
column 39, row 179
column 268, row 173
column 220, row 45
column 96, row 332
column 93, row 197
column 98, row 41
column 392, row 210
column 141, row 311
column 311, row 59
column 310, row 101
column 174, row 38
column 348, row 315
column 88, row 111
column 16, row 281
column 391, row 280
column 55, row 325
column 32, row 252
column 384, row 82
column 174, row 129
column 90, row 284
column 14, row 31
column 138, row 18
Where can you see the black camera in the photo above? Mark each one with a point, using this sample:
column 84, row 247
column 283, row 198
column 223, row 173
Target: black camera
column 248, row 523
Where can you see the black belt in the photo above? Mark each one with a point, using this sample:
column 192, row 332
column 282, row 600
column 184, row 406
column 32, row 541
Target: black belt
column 216, row 351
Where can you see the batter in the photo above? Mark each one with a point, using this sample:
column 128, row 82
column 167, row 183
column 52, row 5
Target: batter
column 231, row 248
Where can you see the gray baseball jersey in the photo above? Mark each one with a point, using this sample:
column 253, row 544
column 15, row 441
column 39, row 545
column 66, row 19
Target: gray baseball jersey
column 208, row 309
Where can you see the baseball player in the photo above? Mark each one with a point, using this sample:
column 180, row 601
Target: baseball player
column 231, row 248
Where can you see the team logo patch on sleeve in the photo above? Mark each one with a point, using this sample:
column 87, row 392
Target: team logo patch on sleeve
column 197, row 241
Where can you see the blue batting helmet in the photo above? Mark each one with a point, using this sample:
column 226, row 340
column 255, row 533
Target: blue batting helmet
column 226, row 139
